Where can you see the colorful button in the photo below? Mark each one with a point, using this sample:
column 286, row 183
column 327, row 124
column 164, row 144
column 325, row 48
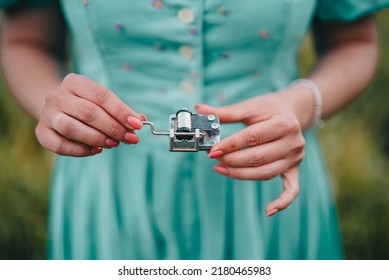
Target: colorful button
column 119, row 27
column 186, row 15
column 264, row 34
column 223, row 11
column 187, row 86
column 195, row 74
column 157, row 4
column 186, row 52
column 193, row 31
column 85, row 3
column 126, row 66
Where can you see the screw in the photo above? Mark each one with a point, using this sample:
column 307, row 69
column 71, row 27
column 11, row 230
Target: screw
column 215, row 126
column 211, row 118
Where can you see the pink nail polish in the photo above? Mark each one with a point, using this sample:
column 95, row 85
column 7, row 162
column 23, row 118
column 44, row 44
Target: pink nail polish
column 221, row 169
column 215, row 154
column 131, row 138
column 112, row 143
column 272, row 212
column 200, row 105
column 134, row 122
column 96, row 150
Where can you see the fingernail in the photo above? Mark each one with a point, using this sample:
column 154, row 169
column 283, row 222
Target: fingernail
column 199, row 105
column 134, row 122
column 272, row 212
column 96, row 150
column 215, row 154
column 221, row 169
column 131, row 138
column 111, row 143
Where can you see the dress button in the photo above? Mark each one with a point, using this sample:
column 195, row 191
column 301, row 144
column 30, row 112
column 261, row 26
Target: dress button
column 187, row 86
column 186, row 15
column 186, row 52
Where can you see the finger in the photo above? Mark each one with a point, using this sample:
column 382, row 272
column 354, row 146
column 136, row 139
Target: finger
column 75, row 130
column 103, row 97
column 227, row 114
column 286, row 147
column 257, row 156
column 253, row 135
column 88, row 113
column 264, row 172
column 58, row 144
column 131, row 138
column 291, row 191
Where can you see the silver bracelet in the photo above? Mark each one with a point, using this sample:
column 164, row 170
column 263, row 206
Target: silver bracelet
column 316, row 120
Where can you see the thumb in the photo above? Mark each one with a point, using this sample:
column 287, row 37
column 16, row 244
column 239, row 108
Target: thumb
column 227, row 114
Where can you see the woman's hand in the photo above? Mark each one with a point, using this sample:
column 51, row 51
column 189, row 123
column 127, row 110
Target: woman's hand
column 78, row 118
column 81, row 117
column 271, row 145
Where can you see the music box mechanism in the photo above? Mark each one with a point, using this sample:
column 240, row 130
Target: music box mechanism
column 189, row 132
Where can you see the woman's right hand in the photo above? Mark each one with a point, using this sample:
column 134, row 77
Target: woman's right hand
column 81, row 117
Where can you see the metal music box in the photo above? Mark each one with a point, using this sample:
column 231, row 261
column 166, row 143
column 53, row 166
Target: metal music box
column 190, row 132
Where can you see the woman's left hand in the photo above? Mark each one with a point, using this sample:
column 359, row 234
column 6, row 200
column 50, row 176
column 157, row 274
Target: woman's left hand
column 271, row 145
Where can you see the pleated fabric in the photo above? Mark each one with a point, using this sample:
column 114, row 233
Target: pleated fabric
column 143, row 202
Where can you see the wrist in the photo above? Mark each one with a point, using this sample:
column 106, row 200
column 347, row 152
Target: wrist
column 304, row 98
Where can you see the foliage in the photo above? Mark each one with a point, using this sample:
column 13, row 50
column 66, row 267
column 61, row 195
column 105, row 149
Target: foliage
column 24, row 173
column 357, row 151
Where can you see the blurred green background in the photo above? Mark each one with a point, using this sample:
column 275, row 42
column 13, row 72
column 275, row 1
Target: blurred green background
column 355, row 142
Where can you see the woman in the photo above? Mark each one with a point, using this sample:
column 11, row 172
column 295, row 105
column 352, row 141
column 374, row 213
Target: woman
column 138, row 60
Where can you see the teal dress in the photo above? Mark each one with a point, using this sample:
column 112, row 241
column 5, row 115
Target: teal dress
column 144, row 202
